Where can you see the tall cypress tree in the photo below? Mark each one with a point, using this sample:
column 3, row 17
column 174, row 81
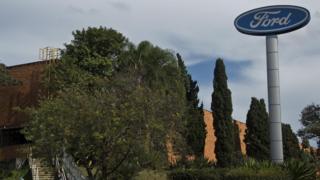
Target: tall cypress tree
column 195, row 132
column 257, row 133
column 290, row 141
column 221, row 107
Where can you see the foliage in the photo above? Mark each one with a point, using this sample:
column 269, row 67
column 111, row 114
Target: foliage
column 257, row 132
column 310, row 119
column 290, row 141
column 251, row 169
column 300, row 170
column 91, row 57
column 272, row 173
column 113, row 121
column 96, row 49
column 196, row 163
column 254, row 169
column 195, row 126
column 199, row 174
column 239, row 173
column 221, row 107
column 150, row 174
column 5, row 78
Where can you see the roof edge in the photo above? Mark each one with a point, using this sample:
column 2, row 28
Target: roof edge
column 29, row 63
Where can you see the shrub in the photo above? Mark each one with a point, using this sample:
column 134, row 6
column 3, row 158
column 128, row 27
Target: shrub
column 196, row 174
column 245, row 173
column 240, row 173
column 150, row 175
column 301, row 170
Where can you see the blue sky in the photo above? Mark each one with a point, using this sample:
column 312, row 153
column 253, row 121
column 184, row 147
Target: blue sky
column 201, row 31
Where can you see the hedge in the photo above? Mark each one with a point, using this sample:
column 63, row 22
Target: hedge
column 229, row 174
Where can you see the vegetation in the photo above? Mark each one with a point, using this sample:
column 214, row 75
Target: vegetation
column 116, row 107
column 290, row 141
column 221, row 107
column 195, row 126
column 250, row 169
column 113, row 106
column 301, row 170
column 310, row 119
column 257, row 132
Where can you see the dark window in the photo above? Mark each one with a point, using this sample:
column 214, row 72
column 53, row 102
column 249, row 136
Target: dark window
column 11, row 137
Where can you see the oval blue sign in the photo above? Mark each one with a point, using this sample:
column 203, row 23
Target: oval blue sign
column 272, row 20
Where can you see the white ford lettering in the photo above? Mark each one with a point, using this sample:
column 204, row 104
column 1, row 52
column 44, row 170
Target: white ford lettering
column 263, row 19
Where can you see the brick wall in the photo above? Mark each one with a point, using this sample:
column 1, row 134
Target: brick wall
column 23, row 95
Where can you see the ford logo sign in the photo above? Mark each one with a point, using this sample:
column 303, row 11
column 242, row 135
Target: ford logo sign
column 272, row 20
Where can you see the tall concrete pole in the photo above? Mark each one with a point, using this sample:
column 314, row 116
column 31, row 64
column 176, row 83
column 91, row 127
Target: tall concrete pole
column 276, row 146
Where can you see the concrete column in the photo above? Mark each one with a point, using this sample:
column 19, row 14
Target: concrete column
column 276, row 146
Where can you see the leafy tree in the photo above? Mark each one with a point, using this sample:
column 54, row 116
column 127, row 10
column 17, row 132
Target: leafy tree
column 96, row 49
column 5, row 78
column 290, row 141
column 113, row 106
column 257, row 132
column 195, row 125
column 310, row 119
column 221, row 107
column 91, row 58
column 157, row 69
column 98, row 129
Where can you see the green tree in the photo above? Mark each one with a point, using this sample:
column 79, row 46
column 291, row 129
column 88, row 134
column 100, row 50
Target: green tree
column 114, row 120
column 97, row 49
column 89, row 59
column 257, row 132
column 310, row 119
column 290, row 141
column 112, row 106
column 98, row 128
column 195, row 126
column 157, row 69
column 221, row 107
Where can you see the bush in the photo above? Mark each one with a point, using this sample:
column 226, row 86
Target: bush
column 271, row 173
column 301, row 170
column 198, row 163
column 196, row 174
column 150, row 175
column 250, row 169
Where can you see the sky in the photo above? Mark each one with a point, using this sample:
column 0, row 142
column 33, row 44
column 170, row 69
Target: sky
column 200, row 30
